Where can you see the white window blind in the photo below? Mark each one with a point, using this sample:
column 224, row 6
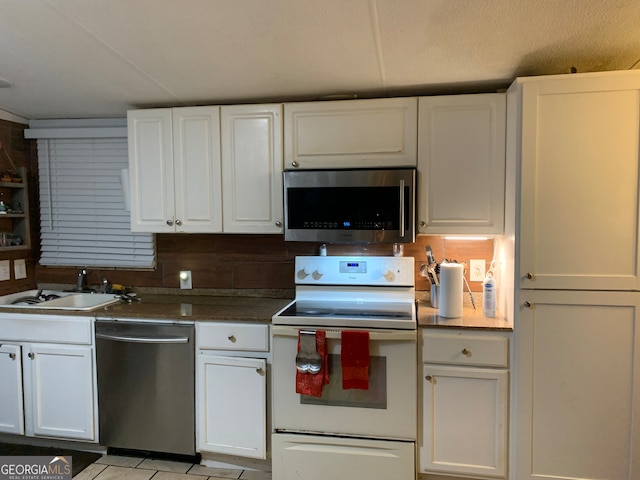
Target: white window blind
column 83, row 221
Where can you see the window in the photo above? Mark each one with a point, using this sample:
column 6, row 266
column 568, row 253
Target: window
column 83, row 217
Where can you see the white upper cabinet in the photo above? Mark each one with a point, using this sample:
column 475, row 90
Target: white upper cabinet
column 461, row 164
column 351, row 133
column 174, row 168
column 577, row 137
column 251, row 144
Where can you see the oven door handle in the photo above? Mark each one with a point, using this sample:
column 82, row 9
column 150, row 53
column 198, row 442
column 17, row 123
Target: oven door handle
column 374, row 335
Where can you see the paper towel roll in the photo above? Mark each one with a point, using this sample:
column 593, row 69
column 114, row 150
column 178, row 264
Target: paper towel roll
column 451, row 283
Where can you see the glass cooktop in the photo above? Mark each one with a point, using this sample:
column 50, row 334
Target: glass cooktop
column 398, row 315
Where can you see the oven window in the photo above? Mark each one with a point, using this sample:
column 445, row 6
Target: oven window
column 333, row 394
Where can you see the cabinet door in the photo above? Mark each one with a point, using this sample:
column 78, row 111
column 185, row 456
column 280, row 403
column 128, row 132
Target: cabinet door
column 464, row 421
column 151, row 174
column 252, row 168
column 196, row 155
column 351, row 133
column 578, row 388
column 461, row 164
column 232, row 405
column 579, row 182
column 11, row 404
column 59, row 391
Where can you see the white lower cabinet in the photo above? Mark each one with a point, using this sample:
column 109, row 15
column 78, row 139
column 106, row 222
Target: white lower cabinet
column 48, row 389
column 59, row 391
column 464, row 404
column 11, row 404
column 233, row 398
column 231, row 389
column 578, row 386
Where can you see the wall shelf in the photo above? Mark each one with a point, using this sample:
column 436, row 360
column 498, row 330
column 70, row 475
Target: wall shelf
column 14, row 224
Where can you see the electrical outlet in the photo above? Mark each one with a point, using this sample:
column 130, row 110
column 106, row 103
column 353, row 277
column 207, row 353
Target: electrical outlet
column 185, row 279
column 477, row 269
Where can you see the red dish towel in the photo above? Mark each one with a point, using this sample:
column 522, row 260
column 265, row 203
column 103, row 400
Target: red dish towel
column 309, row 383
column 355, row 359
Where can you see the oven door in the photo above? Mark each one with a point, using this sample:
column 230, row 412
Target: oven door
column 388, row 409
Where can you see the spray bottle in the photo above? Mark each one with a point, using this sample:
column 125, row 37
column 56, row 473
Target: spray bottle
column 489, row 296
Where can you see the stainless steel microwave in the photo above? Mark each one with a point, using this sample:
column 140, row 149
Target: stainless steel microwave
column 350, row 206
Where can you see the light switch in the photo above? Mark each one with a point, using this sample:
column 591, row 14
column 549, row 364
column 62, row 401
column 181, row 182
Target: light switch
column 19, row 269
column 5, row 270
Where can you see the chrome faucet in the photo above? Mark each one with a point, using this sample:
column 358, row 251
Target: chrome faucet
column 81, row 284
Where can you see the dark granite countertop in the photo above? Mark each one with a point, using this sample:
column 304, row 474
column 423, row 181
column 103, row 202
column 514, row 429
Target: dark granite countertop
column 196, row 308
column 471, row 319
column 176, row 305
column 255, row 306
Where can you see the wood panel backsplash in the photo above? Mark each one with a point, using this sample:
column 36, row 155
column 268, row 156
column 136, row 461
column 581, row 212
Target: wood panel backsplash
column 220, row 261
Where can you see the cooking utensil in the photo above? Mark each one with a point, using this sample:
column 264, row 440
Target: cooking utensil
column 430, row 258
column 473, row 303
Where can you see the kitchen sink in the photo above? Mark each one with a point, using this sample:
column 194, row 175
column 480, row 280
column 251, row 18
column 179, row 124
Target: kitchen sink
column 57, row 300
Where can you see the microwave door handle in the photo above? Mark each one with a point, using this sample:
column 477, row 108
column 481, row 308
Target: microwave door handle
column 402, row 207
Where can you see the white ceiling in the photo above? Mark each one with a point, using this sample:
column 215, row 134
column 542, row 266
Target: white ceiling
column 98, row 58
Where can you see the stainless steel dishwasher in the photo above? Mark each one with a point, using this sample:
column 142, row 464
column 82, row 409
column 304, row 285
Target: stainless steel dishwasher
column 146, row 386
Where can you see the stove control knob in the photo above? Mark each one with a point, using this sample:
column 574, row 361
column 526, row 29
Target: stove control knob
column 304, row 272
column 389, row 275
column 317, row 275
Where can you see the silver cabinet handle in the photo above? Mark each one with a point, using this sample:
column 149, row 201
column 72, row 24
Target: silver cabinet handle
column 466, row 352
column 31, row 355
column 423, row 223
column 278, row 223
column 260, row 371
column 178, row 222
column 530, row 275
column 528, row 304
column 429, row 378
column 232, row 338
column 170, row 223
column 295, row 164
column 12, row 356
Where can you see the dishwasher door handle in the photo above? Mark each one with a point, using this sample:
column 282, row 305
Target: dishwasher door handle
column 137, row 339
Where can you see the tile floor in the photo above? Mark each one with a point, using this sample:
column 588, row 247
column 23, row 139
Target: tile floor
column 116, row 467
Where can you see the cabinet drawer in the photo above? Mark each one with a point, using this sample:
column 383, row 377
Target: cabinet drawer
column 459, row 349
column 46, row 328
column 233, row 336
